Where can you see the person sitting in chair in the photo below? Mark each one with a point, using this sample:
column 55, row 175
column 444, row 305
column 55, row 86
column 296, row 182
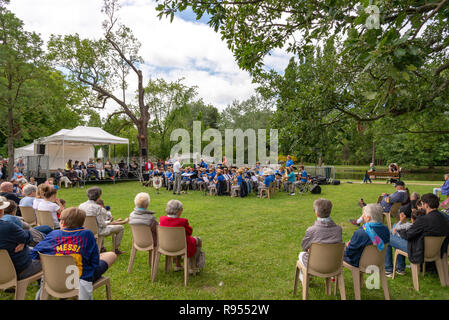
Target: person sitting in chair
column 72, row 239
column 444, row 189
column 372, row 232
column 92, row 169
column 174, row 210
column 387, row 202
column 142, row 216
column 323, row 231
column 92, row 208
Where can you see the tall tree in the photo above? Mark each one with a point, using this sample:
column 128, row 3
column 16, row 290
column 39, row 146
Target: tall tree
column 104, row 65
column 32, row 95
column 404, row 57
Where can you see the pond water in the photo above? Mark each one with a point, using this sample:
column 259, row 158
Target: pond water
column 358, row 175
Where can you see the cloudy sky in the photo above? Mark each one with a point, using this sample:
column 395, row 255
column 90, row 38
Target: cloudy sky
column 184, row 48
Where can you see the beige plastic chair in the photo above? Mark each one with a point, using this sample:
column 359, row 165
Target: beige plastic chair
column 142, row 241
column 446, row 266
column 8, row 277
column 54, row 284
column 235, row 191
column 44, row 218
column 212, row 190
column 90, row 223
column 432, row 252
column 29, row 216
column 325, row 261
column 394, row 212
column 371, row 256
column 171, row 243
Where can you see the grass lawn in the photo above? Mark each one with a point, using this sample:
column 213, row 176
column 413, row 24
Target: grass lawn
column 251, row 245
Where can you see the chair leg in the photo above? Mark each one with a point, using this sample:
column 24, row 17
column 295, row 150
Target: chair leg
column 150, row 258
column 445, row 269
column 44, row 294
column 108, row 290
column 131, row 259
column 396, row 253
column 415, row 273
column 328, row 289
column 441, row 275
column 383, row 278
column 186, row 270
column 389, row 221
column 305, row 286
column 341, row 285
column 295, row 286
column 356, row 280
column 155, row 266
column 21, row 290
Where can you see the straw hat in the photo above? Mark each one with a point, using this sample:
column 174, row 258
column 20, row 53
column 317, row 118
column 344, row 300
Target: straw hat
column 3, row 203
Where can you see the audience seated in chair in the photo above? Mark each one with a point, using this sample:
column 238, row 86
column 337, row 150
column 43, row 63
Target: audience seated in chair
column 16, row 240
column 92, row 208
column 324, row 230
column 141, row 214
column 73, row 239
column 373, row 231
column 411, row 240
column 174, row 210
column 401, row 195
column 51, row 203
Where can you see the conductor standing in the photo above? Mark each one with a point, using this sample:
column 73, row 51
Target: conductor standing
column 177, row 172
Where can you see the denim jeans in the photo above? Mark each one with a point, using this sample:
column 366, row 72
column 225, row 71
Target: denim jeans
column 397, row 243
column 44, row 229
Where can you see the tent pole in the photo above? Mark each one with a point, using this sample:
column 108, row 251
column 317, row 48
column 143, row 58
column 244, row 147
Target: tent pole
column 127, row 161
column 63, row 154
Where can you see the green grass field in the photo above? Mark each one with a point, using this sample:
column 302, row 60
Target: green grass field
column 251, row 245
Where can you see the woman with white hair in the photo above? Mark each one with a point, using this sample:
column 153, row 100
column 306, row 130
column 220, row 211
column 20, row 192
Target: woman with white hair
column 141, row 214
column 173, row 219
column 29, row 191
column 373, row 231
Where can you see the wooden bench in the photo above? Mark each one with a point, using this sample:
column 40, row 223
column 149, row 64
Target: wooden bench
column 384, row 174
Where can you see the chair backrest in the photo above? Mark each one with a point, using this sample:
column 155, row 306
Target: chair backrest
column 142, row 236
column 8, row 276
column 171, row 239
column 55, row 276
column 432, row 248
column 28, row 215
column 44, row 218
column 394, row 210
column 90, row 223
column 325, row 259
column 371, row 256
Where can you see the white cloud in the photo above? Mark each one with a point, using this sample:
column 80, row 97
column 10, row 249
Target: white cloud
column 170, row 50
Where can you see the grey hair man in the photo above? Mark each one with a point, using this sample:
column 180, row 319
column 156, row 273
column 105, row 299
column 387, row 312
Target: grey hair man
column 177, row 172
column 29, row 191
column 105, row 228
column 324, row 229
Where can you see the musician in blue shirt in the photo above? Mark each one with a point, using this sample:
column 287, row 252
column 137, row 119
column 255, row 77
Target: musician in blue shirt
column 289, row 161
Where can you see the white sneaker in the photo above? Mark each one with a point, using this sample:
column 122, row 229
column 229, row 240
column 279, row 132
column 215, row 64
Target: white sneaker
column 292, row 194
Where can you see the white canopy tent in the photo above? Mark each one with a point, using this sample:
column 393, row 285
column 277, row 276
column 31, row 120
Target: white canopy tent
column 76, row 144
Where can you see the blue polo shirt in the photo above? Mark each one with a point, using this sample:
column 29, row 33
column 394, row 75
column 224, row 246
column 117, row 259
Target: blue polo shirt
column 289, row 163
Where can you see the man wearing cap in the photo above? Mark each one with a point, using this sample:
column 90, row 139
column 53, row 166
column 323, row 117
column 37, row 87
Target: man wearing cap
column 15, row 240
column 388, row 200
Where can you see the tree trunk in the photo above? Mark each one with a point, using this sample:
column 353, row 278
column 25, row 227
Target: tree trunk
column 10, row 143
column 142, row 139
column 373, row 154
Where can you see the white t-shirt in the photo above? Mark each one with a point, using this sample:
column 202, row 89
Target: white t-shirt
column 177, row 167
column 52, row 207
column 36, row 203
